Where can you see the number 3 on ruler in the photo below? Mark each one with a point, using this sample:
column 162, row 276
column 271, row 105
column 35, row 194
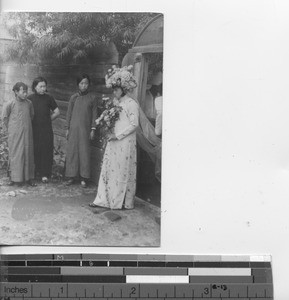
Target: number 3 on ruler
column 206, row 291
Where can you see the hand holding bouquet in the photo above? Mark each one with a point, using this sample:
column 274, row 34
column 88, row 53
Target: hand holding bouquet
column 109, row 115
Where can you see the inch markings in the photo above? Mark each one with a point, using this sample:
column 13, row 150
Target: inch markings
column 129, row 276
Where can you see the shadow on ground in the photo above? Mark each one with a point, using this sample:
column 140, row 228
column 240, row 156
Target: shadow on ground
column 53, row 214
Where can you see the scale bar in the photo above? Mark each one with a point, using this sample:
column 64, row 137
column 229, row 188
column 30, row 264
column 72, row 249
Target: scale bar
column 157, row 279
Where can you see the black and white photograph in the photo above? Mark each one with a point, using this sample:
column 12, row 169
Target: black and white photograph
column 81, row 128
column 95, row 168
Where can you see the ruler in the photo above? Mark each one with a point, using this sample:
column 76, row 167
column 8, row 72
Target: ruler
column 128, row 276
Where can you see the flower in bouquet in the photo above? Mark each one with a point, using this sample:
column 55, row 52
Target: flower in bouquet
column 110, row 114
column 121, row 77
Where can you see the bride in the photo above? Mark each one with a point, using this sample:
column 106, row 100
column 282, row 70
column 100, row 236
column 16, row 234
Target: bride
column 117, row 182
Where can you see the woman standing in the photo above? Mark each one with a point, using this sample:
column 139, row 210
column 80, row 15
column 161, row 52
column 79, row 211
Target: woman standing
column 80, row 122
column 17, row 116
column 45, row 111
column 117, row 182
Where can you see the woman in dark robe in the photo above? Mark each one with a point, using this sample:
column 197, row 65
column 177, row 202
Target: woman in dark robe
column 80, row 122
column 45, row 111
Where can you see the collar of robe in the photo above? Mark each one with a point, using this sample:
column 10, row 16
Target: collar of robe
column 83, row 93
column 19, row 99
column 123, row 98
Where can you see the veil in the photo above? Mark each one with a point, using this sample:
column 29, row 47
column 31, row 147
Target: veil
column 148, row 141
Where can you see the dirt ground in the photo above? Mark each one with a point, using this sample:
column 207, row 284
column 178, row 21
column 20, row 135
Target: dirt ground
column 53, row 214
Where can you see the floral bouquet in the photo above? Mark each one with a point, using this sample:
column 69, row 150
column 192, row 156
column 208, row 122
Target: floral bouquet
column 109, row 115
column 107, row 119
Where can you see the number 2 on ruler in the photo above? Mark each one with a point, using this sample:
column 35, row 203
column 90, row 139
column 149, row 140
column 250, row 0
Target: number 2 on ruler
column 132, row 292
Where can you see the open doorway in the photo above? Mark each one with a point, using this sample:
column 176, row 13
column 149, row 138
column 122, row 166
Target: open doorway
column 149, row 178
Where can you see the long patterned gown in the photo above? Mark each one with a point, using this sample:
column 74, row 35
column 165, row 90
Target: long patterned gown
column 117, row 182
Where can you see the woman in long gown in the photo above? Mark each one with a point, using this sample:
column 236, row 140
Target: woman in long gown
column 80, row 122
column 17, row 118
column 45, row 111
column 117, row 182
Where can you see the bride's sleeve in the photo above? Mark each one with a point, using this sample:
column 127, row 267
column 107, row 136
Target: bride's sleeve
column 133, row 116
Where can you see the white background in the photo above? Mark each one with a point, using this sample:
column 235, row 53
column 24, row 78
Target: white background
column 226, row 140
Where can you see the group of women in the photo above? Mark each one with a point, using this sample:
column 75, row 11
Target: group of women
column 117, row 182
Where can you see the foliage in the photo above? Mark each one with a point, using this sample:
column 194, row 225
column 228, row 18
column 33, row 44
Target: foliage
column 70, row 37
column 4, row 153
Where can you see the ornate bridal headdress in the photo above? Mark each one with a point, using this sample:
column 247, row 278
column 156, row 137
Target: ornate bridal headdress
column 121, row 77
